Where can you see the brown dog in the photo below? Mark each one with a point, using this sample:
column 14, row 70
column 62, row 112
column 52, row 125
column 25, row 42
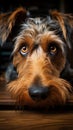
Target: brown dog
column 41, row 55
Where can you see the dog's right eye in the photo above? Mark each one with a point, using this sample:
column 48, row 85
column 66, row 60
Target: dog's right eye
column 53, row 49
column 24, row 50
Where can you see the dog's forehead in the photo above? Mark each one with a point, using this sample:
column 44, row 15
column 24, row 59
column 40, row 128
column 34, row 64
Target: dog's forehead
column 37, row 20
column 42, row 23
column 38, row 24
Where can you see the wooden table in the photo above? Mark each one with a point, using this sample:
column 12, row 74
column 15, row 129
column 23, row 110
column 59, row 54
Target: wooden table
column 27, row 120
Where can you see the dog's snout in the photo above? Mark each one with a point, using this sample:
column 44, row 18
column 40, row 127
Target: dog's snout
column 38, row 93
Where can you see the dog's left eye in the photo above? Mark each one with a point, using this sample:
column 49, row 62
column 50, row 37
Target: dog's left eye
column 52, row 49
column 24, row 50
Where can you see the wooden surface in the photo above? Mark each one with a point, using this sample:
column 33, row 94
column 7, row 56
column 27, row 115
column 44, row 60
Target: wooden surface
column 12, row 119
column 17, row 120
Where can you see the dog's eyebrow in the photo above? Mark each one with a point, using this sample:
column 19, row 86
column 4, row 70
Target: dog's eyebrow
column 56, row 39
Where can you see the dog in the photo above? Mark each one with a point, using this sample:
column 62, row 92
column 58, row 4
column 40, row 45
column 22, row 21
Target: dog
column 41, row 73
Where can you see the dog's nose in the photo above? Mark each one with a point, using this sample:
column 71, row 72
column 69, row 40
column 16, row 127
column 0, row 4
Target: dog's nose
column 38, row 93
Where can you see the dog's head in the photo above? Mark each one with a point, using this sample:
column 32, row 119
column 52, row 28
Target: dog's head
column 40, row 56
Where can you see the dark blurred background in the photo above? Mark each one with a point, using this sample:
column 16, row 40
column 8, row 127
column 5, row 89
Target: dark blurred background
column 40, row 5
column 35, row 7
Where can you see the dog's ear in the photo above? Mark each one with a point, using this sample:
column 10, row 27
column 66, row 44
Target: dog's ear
column 66, row 23
column 11, row 73
column 67, row 73
column 9, row 23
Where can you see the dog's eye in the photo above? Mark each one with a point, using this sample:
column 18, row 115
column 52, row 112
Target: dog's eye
column 24, row 50
column 52, row 49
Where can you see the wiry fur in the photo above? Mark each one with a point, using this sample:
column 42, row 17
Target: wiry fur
column 38, row 67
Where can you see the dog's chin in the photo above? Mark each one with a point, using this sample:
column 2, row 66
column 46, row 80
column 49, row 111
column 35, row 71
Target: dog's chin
column 53, row 100
column 58, row 95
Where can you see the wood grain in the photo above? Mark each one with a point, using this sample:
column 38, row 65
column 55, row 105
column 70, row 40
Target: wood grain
column 17, row 120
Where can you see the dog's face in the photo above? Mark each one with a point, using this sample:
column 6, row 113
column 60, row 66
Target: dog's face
column 39, row 57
